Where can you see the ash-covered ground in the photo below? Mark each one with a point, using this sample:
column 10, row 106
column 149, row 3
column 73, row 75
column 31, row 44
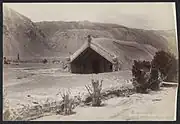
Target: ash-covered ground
column 42, row 81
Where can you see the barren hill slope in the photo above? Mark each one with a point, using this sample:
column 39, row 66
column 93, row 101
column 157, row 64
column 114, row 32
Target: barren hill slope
column 58, row 38
column 21, row 35
column 170, row 36
column 69, row 36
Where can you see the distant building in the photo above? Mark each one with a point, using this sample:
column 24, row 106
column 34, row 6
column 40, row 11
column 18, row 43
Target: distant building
column 92, row 58
column 98, row 55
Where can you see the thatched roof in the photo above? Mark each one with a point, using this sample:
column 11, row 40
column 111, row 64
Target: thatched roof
column 125, row 51
column 97, row 48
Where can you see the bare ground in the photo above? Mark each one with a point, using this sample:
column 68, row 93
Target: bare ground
column 158, row 106
column 44, row 81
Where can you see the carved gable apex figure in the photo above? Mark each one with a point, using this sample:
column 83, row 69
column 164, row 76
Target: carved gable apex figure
column 89, row 39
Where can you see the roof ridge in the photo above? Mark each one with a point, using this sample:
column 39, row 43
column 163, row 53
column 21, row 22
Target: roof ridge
column 94, row 46
column 82, row 48
column 112, row 55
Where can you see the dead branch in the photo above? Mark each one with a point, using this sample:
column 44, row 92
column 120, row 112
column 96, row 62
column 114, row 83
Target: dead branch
column 88, row 89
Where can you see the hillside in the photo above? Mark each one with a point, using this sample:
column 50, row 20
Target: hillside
column 170, row 36
column 58, row 38
column 76, row 33
column 21, row 35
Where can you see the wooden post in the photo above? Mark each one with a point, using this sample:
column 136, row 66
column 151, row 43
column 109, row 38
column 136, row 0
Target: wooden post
column 68, row 64
column 89, row 40
column 115, row 64
column 18, row 57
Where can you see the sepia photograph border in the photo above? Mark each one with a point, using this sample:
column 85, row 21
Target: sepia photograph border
column 177, row 2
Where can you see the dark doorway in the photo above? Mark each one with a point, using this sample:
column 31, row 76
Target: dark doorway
column 95, row 66
column 89, row 61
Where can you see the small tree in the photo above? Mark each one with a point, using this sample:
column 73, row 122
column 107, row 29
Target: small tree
column 145, row 77
column 140, row 81
column 166, row 63
column 95, row 92
column 154, row 81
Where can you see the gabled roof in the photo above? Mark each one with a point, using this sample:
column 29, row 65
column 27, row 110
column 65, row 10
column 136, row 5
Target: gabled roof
column 97, row 48
column 124, row 51
column 79, row 51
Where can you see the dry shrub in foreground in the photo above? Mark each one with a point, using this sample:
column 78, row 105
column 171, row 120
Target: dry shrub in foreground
column 68, row 103
column 95, row 92
column 9, row 114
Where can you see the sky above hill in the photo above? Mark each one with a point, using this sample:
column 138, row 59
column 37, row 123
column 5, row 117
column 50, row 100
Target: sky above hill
column 159, row 16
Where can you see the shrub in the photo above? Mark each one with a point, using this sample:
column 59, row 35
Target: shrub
column 145, row 77
column 6, row 61
column 139, row 66
column 95, row 92
column 154, row 80
column 44, row 61
column 67, row 105
column 140, row 82
column 9, row 114
column 166, row 63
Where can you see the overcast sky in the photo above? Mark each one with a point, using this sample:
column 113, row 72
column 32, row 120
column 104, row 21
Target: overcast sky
column 136, row 15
